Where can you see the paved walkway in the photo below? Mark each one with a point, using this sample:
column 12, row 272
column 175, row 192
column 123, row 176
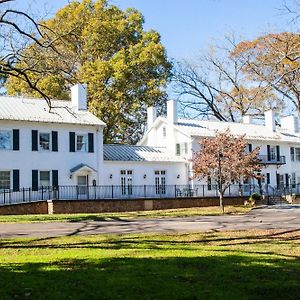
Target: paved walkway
column 275, row 217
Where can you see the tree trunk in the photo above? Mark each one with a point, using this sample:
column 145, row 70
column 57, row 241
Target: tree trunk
column 221, row 201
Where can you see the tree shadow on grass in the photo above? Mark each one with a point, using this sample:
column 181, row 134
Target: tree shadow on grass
column 209, row 277
column 156, row 242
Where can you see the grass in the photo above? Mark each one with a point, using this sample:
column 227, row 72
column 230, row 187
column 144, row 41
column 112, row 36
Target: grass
column 226, row 265
column 169, row 213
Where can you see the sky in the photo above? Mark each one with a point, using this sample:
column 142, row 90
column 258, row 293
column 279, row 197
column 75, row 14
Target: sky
column 188, row 27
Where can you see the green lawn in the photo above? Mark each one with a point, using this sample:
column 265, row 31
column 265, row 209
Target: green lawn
column 183, row 212
column 227, row 265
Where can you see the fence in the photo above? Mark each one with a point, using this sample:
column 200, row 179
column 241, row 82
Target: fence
column 136, row 192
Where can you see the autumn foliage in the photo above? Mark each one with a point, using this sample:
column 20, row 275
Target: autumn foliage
column 224, row 159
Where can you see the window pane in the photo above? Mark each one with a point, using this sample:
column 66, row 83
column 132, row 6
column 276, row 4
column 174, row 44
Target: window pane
column 5, row 180
column 44, row 178
column 44, row 141
column 81, row 144
column 82, row 180
column 5, row 140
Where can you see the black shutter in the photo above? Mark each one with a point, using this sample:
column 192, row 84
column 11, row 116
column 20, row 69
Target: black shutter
column 72, row 141
column 55, row 178
column 269, row 152
column 278, row 153
column 287, row 179
column 268, row 178
column 16, row 180
column 54, row 141
column 35, row 180
column 16, row 139
column 277, row 179
column 250, row 147
column 91, row 142
column 34, row 140
column 209, row 184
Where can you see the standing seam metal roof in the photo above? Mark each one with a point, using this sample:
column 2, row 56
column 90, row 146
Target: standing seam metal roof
column 37, row 110
column 113, row 152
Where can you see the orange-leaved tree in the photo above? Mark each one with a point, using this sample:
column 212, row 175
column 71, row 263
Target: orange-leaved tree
column 224, row 158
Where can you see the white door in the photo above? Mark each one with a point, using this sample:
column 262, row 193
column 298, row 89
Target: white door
column 160, row 182
column 82, row 182
column 126, row 182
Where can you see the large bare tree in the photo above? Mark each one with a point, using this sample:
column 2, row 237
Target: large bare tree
column 216, row 85
column 18, row 30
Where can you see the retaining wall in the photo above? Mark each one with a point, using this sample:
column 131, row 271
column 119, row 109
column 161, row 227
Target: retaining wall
column 99, row 206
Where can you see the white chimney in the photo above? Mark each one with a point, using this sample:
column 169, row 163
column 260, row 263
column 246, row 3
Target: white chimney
column 151, row 116
column 290, row 123
column 172, row 111
column 79, row 96
column 247, row 119
column 270, row 120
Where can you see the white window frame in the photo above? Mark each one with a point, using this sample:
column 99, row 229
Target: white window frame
column 10, row 139
column 85, row 142
column 160, row 181
column 40, row 147
column 126, row 181
column 273, row 155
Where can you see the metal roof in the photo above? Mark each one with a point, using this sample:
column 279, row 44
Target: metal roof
column 82, row 166
column 37, row 110
column 251, row 131
column 113, row 152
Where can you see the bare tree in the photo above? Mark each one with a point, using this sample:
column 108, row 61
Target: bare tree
column 216, row 85
column 18, row 30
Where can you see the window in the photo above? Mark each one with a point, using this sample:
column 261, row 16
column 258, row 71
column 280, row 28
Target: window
column 4, row 180
column 5, row 140
column 181, row 148
column 160, row 182
column 81, row 142
column 177, row 149
column 44, row 141
column 272, row 153
column 164, row 130
column 126, row 182
column 292, row 152
column 44, row 178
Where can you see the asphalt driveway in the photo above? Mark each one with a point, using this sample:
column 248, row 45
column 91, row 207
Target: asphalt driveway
column 270, row 217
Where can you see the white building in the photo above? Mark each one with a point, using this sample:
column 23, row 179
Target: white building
column 39, row 147
column 143, row 170
column 279, row 146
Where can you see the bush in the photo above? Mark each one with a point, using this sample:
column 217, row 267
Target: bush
column 252, row 199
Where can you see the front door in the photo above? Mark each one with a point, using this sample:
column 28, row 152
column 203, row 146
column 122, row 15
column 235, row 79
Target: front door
column 126, row 182
column 82, row 182
column 160, row 182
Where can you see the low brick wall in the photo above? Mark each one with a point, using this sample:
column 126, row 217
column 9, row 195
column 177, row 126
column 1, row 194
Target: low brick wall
column 99, row 206
column 40, row 207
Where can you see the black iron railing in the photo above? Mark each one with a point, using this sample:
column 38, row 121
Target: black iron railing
column 266, row 160
column 135, row 192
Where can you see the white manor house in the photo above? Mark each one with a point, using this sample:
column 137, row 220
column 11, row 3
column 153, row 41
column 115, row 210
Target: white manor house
column 63, row 147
